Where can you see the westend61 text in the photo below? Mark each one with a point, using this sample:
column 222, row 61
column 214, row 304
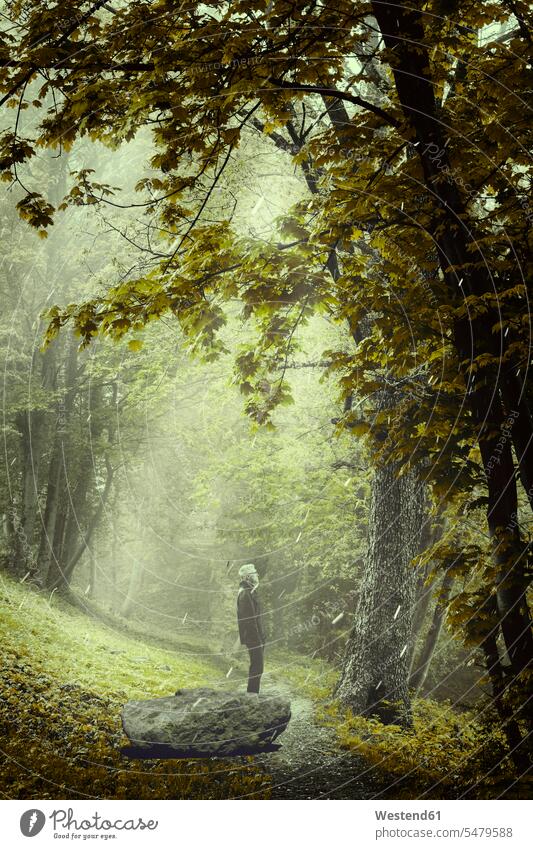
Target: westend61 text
column 407, row 815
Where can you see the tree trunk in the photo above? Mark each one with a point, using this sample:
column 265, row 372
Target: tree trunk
column 49, row 516
column 57, row 497
column 376, row 665
column 64, row 578
column 375, row 674
column 34, row 421
column 517, row 744
column 423, row 595
column 77, row 514
column 30, row 423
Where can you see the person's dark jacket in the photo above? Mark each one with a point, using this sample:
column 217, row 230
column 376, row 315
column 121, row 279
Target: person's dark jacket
column 249, row 616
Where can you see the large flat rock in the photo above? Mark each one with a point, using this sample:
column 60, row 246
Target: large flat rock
column 203, row 722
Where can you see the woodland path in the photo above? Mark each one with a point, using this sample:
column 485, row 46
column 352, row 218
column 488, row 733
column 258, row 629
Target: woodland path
column 310, row 764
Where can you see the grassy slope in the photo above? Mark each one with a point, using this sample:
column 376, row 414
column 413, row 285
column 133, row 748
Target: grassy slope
column 65, row 678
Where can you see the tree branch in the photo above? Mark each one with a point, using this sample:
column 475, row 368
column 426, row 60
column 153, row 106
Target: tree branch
column 339, row 95
column 78, row 21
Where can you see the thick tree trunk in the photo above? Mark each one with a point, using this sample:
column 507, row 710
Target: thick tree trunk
column 375, row 674
column 376, row 665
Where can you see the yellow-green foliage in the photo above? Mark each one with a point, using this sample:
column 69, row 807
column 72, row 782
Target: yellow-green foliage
column 62, row 690
column 445, row 753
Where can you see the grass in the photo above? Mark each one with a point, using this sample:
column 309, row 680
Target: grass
column 75, row 649
column 65, row 679
column 310, row 677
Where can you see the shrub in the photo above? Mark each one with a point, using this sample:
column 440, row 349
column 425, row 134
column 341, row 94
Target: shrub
column 445, row 754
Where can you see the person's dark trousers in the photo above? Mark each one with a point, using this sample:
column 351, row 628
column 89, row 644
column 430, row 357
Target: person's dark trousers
column 256, row 668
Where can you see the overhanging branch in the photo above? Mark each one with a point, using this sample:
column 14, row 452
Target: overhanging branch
column 339, row 95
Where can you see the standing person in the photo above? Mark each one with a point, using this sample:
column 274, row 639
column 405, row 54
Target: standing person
column 249, row 617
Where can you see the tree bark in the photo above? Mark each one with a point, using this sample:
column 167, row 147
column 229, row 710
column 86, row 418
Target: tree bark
column 375, row 674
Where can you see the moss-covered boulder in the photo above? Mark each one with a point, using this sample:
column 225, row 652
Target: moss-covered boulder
column 203, row 722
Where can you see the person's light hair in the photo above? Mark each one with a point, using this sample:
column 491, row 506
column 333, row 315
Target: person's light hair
column 246, row 570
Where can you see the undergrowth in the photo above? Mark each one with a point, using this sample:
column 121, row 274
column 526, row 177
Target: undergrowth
column 444, row 755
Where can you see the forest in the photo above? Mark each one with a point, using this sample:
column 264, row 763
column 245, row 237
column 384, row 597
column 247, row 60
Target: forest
column 266, row 277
